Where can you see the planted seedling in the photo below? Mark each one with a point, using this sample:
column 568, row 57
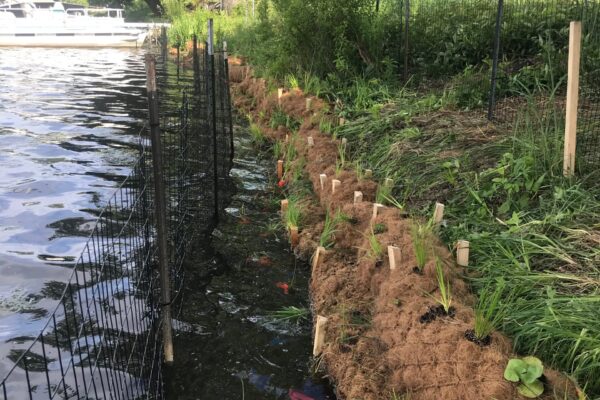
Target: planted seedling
column 340, row 162
column 293, row 213
column 526, row 371
column 488, row 315
column 375, row 250
column 420, row 234
column 379, row 228
column 384, row 192
column 291, row 313
column 329, row 229
column 445, row 297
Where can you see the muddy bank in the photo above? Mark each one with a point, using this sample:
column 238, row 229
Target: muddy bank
column 382, row 338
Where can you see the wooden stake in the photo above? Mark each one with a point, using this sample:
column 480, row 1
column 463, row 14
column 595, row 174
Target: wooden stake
column 389, row 183
column 438, row 213
column 572, row 98
column 342, row 121
column 279, row 169
column 284, row 206
column 279, row 95
column 319, row 335
column 344, row 142
column 294, row 239
column 334, row 185
column 462, row 253
column 308, row 104
column 358, row 197
column 311, row 141
column 368, row 173
column 323, row 179
column 395, row 255
column 287, row 138
column 376, row 208
column 316, row 257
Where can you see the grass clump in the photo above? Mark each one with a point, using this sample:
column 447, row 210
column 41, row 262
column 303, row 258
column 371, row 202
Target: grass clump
column 293, row 214
column 327, row 239
column 258, row 137
column 375, row 249
column 489, row 311
column 420, row 234
column 291, row 313
column 445, row 296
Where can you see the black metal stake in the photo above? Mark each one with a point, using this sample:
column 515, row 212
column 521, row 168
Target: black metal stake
column 195, row 64
column 160, row 202
column 228, row 100
column 406, row 41
column 496, row 55
column 163, row 40
column 212, row 103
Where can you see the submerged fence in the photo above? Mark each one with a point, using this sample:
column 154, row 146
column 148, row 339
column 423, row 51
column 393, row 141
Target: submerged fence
column 503, row 56
column 106, row 337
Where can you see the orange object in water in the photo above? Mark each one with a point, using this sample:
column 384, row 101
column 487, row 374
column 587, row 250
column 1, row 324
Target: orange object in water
column 283, row 286
column 296, row 395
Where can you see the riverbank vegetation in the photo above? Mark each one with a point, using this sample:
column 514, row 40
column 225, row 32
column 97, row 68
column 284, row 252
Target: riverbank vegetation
column 532, row 232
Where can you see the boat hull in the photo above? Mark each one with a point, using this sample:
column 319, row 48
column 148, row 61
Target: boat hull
column 74, row 40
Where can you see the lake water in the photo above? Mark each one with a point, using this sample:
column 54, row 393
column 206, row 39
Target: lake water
column 69, row 122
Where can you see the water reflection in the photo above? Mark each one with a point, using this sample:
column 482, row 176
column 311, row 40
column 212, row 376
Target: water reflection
column 69, row 121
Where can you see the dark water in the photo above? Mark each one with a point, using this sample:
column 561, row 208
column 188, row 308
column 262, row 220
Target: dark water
column 229, row 345
column 68, row 122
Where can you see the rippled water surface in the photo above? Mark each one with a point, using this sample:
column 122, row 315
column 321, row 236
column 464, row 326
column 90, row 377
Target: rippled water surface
column 69, row 121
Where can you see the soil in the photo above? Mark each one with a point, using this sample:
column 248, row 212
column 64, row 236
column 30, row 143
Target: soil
column 375, row 341
column 470, row 335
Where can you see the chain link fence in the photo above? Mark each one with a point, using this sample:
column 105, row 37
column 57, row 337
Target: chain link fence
column 104, row 339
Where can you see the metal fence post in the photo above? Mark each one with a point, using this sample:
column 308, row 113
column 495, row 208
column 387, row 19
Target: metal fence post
column 496, row 55
column 163, row 42
column 228, row 100
column 195, row 64
column 212, row 104
column 160, row 201
column 406, row 41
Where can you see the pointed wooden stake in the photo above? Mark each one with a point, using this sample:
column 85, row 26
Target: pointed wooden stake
column 311, row 141
column 308, row 104
column 395, row 256
column 279, row 169
column 358, row 197
column 284, row 206
column 368, row 173
column 389, row 183
column 572, row 98
column 376, row 208
column 319, row 335
column 279, row 95
column 462, row 253
column 294, row 239
column 342, row 121
column 323, row 179
column 334, row 185
column 344, row 142
column 316, row 257
column 438, row 214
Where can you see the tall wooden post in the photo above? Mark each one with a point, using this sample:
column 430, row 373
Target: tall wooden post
column 160, row 209
column 572, row 99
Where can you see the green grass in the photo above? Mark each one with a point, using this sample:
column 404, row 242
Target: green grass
column 375, row 249
column 421, row 235
column 257, row 136
column 445, row 296
column 291, row 313
column 327, row 238
column 489, row 311
column 293, row 214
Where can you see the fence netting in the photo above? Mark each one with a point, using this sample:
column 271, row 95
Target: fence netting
column 454, row 41
column 104, row 339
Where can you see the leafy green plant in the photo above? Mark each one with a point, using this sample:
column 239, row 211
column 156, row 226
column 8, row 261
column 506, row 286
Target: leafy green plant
column 257, row 136
column 325, row 125
column 526, row 371
column 329, row 228
column 451, row 169
column 384, row 192
column 420, row 234
column 293, row 213
column 291, row 313
column 340, row 162
column 379, row 228
column 375, row 250
column 488, row 311
column 445, row 296
column 277, row 149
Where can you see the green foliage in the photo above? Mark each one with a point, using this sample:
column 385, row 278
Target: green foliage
column 291, row 313
column 421, row 234
column 293, row 214
column 257, row 136
column 489, row 311
column 445, row 296
column 280, row 118
column 327, row 238
column 526, row 371
column 375, row 249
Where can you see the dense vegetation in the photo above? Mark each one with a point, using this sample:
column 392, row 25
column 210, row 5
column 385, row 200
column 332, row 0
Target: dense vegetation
column 531, row 230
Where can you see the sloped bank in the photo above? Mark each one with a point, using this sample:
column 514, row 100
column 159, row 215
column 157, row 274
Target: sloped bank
column 376, row 345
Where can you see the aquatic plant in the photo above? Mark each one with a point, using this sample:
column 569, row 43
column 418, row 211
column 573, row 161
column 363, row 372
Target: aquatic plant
column 526, row 371
column 445, row 296
column 291, row 313
column 420, row 234
column 329, row 228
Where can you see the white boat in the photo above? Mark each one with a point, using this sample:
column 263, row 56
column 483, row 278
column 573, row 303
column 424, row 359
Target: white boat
column 50, row 23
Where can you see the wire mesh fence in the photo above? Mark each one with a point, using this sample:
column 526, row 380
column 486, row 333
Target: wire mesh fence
column 505, row 56
column 104, row 338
